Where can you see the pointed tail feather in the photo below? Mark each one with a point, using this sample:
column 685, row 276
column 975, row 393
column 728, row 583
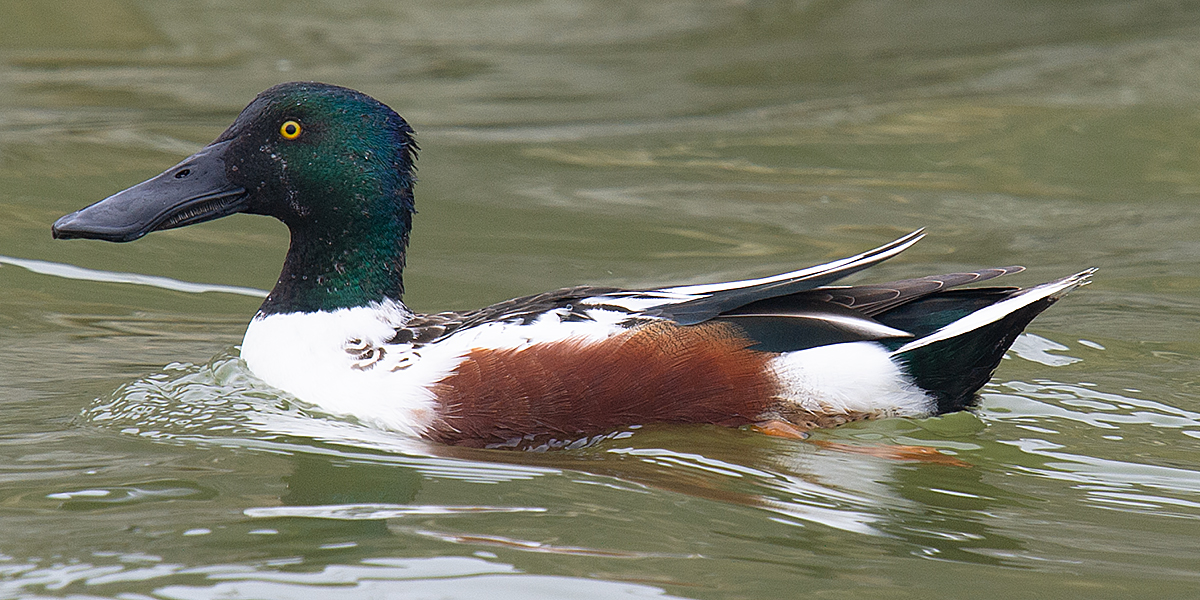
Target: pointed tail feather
column 954, row 361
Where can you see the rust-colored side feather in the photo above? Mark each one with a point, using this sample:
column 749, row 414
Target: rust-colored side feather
column 566, row 390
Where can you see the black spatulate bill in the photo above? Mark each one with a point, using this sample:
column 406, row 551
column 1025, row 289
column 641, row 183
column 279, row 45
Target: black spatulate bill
column 193, row 191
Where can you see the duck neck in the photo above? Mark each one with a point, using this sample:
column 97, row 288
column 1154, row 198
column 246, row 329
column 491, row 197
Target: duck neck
column 335, row 263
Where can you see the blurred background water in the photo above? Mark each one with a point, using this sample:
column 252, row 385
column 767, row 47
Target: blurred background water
column 612, row 143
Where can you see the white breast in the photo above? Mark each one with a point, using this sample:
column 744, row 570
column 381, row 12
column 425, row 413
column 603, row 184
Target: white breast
column 313, row 356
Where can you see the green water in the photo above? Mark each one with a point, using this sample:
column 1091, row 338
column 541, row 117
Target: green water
column 613, row 143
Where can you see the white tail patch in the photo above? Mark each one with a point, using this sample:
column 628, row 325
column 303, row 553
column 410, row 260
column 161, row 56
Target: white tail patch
column 851, row 378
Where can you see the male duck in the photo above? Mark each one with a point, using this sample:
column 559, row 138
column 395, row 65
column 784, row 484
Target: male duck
column 785, row 353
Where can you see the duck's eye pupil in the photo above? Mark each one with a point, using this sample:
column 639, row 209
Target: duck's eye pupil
column 290, row 130
column 183, row 173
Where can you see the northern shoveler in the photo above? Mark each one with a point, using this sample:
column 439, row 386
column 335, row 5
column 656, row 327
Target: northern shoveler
column 786, row 353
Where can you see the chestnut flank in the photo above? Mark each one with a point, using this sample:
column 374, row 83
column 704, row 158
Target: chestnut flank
column 566, row 390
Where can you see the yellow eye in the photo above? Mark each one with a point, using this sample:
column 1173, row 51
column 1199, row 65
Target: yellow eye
column 290, row 130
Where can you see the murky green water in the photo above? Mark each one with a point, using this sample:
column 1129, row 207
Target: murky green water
column 614, row 143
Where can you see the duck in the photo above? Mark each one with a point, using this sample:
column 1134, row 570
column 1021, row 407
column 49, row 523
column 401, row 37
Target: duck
column 783, row 354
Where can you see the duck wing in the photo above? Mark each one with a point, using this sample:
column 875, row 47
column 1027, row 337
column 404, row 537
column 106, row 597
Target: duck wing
column 782, row 313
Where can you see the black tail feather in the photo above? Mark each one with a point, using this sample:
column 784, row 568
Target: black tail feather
column 965, row 333
column 953, row 370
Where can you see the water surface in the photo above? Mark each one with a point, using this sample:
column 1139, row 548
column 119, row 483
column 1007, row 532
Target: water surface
column 631, row 144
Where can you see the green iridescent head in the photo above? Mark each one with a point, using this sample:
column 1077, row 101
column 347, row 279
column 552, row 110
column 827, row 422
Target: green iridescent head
column 333, row 164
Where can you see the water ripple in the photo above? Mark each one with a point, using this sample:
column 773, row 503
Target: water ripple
column 1052, row 401
column 1054, row 412
column 134, row 493
column 372, row 577
column 367, row 512
column 222, row 403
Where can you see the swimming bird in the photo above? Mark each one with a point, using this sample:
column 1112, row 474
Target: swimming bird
column 784, row 354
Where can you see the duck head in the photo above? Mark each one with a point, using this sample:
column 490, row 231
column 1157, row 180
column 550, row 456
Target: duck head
column 335, row 165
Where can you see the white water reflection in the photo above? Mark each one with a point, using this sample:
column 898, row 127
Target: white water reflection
column 368, row 512
column 43, row 267
column 1051, row 401
column 449, row 577
column 1036, row 348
